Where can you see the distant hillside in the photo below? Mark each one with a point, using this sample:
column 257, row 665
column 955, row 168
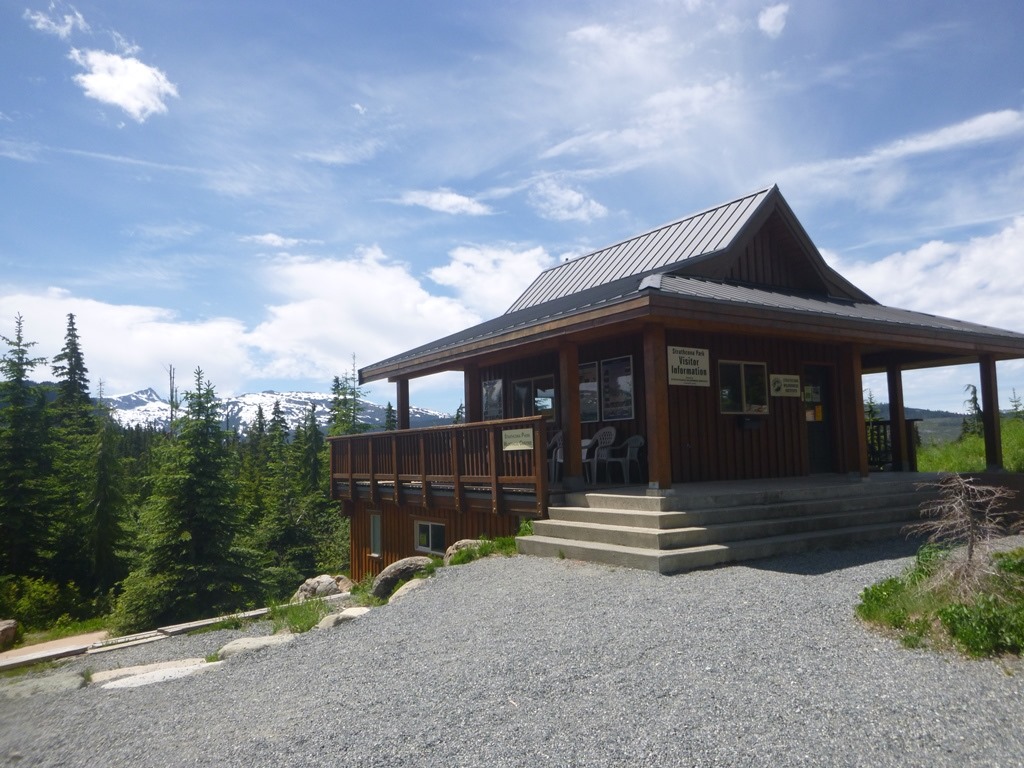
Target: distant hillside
column 147, row 408
column 934, row 427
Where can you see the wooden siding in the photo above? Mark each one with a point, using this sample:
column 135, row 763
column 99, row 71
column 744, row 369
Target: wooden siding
column 709, row 445
column 398, row 531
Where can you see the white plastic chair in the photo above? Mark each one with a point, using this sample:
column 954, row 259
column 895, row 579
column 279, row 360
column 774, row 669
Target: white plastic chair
column 596, row 449
column 555, row 457
column 625, row 456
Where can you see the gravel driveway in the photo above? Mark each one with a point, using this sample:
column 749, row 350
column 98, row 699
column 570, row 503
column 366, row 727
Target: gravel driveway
column 526, row 661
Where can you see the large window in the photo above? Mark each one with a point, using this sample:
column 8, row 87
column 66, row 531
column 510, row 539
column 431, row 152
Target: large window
column 534, row 397
column 590, row 394
column 617, row 389
column 375, row 542
column 492, row 400
column 430, row 537
column 743, row 387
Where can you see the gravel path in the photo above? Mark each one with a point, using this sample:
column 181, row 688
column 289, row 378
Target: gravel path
column 526, row 661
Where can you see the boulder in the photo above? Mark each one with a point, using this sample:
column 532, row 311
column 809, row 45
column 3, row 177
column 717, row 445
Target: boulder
column 332, row 620
column 323, row 585
column 8, row 633
column 250, row 644
column 406, row 588
column 403, row 570
column 458, row 546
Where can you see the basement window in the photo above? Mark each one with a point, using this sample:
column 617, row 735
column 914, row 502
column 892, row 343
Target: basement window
column 430, row 537
column 743, row 388
column 375, row 538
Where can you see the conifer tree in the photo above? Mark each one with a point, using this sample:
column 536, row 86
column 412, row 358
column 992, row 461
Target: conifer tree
column 390, row 419
column 191, row 565
column 23, row 515
column 107, row 507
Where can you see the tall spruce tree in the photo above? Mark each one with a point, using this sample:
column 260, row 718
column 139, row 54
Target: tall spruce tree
column 74, row 430
column 191, row 566
column 23, row 460
column 107, row 535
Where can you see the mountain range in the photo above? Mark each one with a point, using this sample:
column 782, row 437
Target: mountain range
column 147, row 408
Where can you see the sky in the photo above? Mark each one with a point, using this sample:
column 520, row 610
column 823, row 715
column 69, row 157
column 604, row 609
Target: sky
column 272, row 192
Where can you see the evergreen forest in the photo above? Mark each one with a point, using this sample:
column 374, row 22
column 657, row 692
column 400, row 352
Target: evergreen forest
column 141, row 527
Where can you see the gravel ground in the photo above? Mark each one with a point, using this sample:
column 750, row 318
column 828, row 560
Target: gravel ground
column 526, row 661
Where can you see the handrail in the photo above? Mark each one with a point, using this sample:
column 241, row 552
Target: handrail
column 450, row 461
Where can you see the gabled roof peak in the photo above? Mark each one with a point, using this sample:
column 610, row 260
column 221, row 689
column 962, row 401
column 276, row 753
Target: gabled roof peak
column 657, row 250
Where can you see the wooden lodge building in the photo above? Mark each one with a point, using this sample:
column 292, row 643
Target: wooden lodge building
column 722, row 344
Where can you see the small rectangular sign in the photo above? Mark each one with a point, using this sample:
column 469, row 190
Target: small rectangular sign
column 689, row 367
column 517, row 439
column 785, row 385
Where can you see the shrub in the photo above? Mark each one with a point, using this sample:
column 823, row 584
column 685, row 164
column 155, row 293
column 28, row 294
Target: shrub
column 298, row 617
column 37, row 603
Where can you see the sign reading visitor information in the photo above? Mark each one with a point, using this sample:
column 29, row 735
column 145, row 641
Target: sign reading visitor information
column 689, row 367
column 785, row 385
column 517, row 439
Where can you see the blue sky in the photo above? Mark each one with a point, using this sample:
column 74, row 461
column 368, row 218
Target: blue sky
column 267, row 189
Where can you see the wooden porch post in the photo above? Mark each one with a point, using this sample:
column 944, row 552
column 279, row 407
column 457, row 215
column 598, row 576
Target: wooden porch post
column 659, row 452
column 402, row 407
column 473, row 395
column 858, row 441
column 990, row 413
column 569, row 407
column 897, row 418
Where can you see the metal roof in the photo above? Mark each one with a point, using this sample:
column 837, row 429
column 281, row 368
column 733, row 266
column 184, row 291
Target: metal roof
column 701, row 234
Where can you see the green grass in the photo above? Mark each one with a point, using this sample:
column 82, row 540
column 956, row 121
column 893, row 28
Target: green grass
column 968, row 455
column 925, row 609
column 67, row 628
column 503, row 545
column 298, row 617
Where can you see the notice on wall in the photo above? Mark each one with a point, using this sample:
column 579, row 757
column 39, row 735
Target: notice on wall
column 785, row 385
column 517, row 439
column 689, row 367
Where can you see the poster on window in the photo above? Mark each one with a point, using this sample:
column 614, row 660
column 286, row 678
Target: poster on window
column 492, row 405
column 617, row 388
column 590, row 398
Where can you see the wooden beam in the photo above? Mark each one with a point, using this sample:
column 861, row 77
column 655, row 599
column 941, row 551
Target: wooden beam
column 472, row 395
column 990, row 412
column 569, row 413
column 897, row 419
column 858, row 441
column 402, row 407
column 659, row 452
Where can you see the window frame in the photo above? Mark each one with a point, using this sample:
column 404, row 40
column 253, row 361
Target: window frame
column 533, row 384
column 746, row 406
column 376, row 540
column 432, row 528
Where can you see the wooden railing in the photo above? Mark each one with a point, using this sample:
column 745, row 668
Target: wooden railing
column 464, row 465
column 879, row 439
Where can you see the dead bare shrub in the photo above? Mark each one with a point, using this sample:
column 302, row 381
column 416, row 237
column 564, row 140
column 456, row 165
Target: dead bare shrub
column 964, row 518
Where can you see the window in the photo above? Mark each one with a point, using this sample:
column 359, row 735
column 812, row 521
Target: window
column 492, row 400
column 743, row 387
column 430, row 537
column 617, row 389
column 534, row 397
column 375, row 545
column 590, row 396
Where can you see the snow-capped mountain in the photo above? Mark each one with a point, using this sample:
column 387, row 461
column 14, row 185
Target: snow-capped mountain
column 147, row 408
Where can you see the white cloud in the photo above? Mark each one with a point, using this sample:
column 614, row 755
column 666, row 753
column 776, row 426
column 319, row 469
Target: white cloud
column 345, row 154
column 880, row 171
column 137, row 88
column 445, row 201
column 979, row 280
column 276, row 241
column 772, row 20
column 359, row 108
column 562, row 203
column 61, row 26
column 486, row 279
column 367, row 305
column 129, row 347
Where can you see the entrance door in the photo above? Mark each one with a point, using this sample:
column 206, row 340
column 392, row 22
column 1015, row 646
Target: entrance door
column 818, row 414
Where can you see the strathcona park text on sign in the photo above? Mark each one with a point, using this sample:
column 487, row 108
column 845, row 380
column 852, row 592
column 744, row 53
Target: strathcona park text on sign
column 689, row 367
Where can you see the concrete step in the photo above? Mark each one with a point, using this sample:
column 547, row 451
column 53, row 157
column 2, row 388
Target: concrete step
column 679, row 519
column 692, row 536
column 679, row 560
